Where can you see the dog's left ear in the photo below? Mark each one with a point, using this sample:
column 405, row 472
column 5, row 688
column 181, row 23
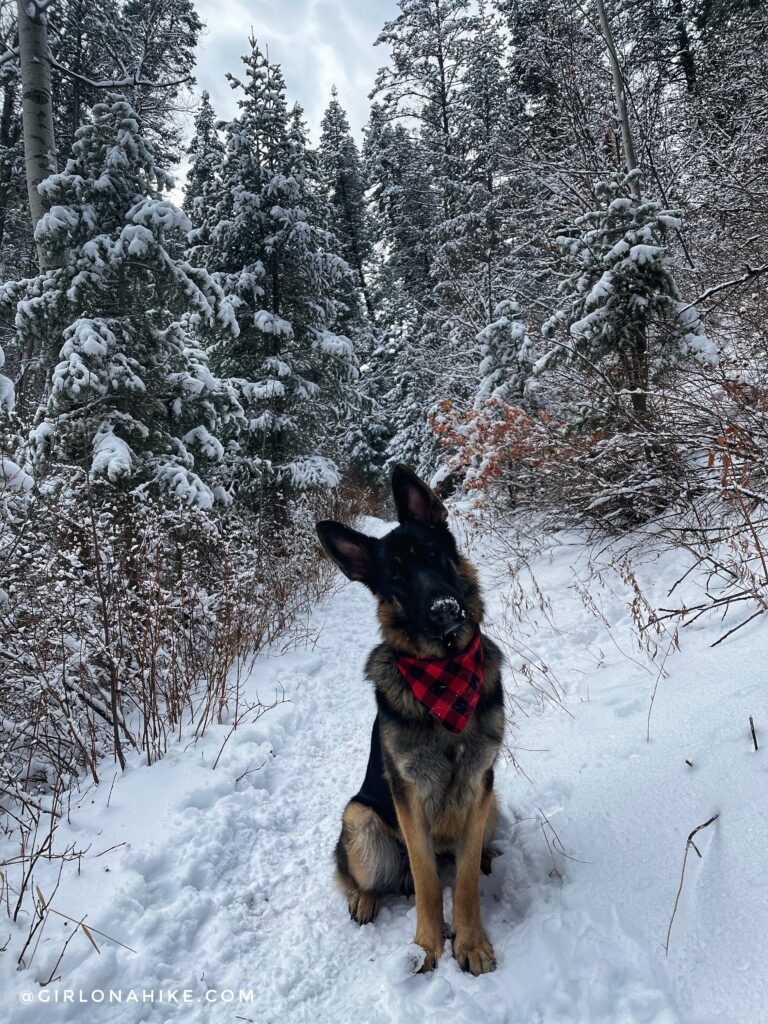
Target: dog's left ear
column 414, row 500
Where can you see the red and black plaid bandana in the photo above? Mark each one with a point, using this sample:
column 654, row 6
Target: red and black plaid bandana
column 447, row 687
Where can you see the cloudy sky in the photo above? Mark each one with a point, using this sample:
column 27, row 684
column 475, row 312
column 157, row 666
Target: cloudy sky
column 318, row 43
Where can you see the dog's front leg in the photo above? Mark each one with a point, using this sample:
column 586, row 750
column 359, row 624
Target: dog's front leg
column 470, row 945
column 430, row 925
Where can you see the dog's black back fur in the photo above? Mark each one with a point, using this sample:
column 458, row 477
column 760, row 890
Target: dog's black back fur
column 375, row 792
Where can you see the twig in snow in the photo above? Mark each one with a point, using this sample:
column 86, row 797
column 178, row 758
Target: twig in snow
column 735, row 628
column 688, row 844
column 115, row 847
column 752, row 727
column 109, row 797
column 674, row 643
column 557, row 843
column 249, row 771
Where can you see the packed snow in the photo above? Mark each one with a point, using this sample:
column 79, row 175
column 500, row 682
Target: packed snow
column 215, row 865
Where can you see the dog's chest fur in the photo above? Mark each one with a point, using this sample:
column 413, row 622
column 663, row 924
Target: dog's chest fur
column 446, row 770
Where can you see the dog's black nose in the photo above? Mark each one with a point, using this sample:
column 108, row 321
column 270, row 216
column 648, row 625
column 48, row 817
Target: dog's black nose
column 446, row 614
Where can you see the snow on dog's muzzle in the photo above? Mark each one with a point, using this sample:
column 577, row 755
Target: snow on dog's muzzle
column 446, row 613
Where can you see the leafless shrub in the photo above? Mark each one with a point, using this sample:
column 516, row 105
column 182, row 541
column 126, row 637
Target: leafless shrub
column 121, row 621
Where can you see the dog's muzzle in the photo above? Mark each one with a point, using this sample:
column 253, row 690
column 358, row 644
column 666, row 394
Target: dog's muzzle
column 446, row 614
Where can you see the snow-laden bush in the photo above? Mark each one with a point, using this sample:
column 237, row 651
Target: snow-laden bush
column 123, row 622
column 699, row 459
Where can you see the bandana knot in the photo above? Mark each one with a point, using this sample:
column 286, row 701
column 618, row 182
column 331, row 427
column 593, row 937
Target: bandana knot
column 449, row 688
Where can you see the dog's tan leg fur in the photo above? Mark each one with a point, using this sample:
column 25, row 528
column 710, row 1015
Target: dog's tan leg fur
column 360, row 829
column 471, row 947
column 430, row 925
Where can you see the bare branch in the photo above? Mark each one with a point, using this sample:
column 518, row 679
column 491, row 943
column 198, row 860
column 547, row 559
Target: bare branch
column 129, row 82
column 40, row 6
column 688, row 844
column 751, row 273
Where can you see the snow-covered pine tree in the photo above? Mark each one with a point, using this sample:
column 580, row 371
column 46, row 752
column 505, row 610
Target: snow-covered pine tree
column 507, row 356
column 404, row 212
column 274, row 257
column 623, row 316
column 157, row 42
column 473, row 271
column 345, row 185
column 146, row 47
column 428, row 45
column 448, row 77
column 403, row 208
column 206, row 154
column 343, row 180
column 82, row 37
column 129, row 397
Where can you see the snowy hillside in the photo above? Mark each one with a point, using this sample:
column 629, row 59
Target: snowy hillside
column 219, row 879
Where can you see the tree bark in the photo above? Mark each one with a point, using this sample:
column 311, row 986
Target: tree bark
column 684, row 50
column 620, row 96
column 8, row 139
column 36, row 112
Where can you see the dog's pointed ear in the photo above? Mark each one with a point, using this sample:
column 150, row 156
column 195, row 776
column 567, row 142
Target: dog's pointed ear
column 414, row 500
column 350, row 550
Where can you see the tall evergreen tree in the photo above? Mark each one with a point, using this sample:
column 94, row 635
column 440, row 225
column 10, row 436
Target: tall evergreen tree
column 623, row 315
column 447, row 77
column 428, row 47
column 274, row 257
column 146, row 48
column 404, row 212
column 158, row 42
column 344, row 181
column 472, row 269
column 84, row 38
column 404, row 209
column 130, row 397
column 206, row 155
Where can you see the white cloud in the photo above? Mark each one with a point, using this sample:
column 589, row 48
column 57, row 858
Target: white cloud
column 319, row 43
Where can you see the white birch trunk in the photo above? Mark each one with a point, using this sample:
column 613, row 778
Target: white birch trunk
column 620, row 95
column 36, row 111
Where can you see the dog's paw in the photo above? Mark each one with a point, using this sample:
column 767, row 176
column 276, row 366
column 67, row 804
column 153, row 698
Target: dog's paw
column 429, row 952
column 490, row 853
column 475, row 956
column 363, row 906
column 425, row 961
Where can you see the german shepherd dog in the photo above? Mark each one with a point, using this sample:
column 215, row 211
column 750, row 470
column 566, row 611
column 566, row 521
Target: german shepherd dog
column 427, row 791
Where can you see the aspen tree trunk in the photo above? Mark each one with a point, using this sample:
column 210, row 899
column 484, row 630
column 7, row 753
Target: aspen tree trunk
column 36, row 111
column 620, row 95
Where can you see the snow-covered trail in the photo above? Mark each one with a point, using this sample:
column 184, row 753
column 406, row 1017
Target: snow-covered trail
column 224, row 883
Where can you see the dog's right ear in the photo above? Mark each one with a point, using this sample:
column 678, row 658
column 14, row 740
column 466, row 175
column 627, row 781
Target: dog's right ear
column 350, row 550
